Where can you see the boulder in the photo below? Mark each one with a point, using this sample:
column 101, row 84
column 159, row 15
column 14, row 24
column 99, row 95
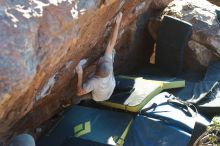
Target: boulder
column 216, row 2
column 43, row 40
column 204, row 45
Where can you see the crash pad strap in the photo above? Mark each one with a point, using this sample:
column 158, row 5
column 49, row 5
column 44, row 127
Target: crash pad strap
column 121, row 140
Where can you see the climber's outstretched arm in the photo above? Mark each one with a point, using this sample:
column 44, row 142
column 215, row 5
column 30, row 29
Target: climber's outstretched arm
column 80, row 90
column 114, row 35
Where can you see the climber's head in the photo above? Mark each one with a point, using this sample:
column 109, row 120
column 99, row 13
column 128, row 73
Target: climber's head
column 102, row 69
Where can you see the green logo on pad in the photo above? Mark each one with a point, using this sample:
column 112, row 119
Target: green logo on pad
column 82, row 129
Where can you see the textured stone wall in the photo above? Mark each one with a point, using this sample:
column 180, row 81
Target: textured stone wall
column 43, row 40
column 216, row 2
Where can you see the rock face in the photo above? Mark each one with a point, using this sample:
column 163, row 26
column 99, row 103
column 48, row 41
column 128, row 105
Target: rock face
column 216, row 2
column 204, row 45
column 43, row 40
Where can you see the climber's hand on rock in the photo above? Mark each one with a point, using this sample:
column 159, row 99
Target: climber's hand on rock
column 79, row 69
column 118, row 18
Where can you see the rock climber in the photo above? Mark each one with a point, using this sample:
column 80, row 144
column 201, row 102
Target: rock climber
column 100, row 86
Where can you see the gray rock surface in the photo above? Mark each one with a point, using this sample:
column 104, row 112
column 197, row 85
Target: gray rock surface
column 205, row 42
